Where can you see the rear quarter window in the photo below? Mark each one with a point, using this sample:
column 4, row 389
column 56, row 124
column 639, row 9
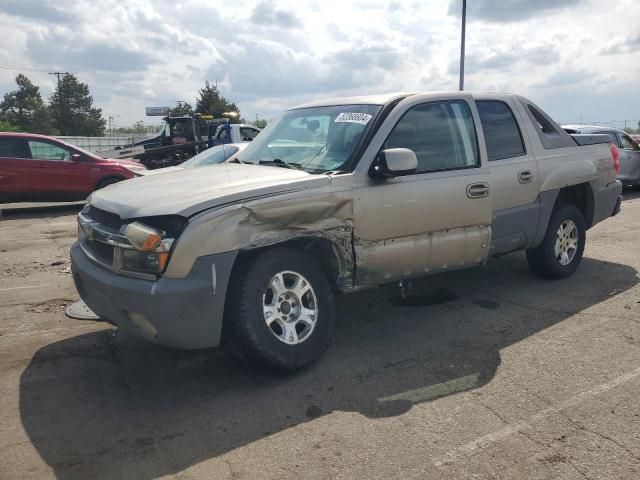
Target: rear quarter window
column 13, row 148
column 549, row 132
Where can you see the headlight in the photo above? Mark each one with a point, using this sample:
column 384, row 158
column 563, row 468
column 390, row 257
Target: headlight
column 138, row 169
column 151, row 250
column 144, row 262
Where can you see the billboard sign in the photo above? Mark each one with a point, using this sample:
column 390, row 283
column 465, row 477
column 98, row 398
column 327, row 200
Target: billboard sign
column 157, row 111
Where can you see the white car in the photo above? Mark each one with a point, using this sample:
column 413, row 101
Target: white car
column 211, row 156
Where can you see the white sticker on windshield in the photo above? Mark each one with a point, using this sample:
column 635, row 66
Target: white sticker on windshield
column 362, row 118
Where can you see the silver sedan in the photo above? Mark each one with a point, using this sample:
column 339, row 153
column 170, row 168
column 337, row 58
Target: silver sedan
column 629, row 173
column 211, row 156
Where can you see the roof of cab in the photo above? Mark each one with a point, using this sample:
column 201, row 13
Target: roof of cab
column 380, row 99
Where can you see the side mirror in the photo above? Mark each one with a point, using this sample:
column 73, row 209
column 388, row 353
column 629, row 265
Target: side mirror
column 76, row 157
column 393, row 162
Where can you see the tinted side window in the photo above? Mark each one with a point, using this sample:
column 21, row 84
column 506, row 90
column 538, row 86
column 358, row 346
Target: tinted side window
column 13, row 148
column 543, row 122
column 48, row 151
column 550, row 134
column 501, row 132
column 441, row 134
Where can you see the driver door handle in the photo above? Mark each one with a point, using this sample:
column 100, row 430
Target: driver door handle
column 525, row 176
column 478, row 190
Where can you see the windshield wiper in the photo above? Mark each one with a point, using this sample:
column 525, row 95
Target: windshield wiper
column 280, row 163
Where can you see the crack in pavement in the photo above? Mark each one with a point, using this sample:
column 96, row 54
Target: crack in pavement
column 488, row 439
column 553, row 449
column 580, row 426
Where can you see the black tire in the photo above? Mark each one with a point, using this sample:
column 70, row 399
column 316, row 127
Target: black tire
column 249, row 336
column 542, row 259
column 108, row 181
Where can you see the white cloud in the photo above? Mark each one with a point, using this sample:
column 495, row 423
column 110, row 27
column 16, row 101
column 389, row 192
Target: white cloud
column 266, row 56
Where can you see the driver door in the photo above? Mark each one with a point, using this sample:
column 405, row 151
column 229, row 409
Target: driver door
column 437, row 218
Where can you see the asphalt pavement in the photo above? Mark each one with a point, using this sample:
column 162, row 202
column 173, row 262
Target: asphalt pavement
column 483, row 373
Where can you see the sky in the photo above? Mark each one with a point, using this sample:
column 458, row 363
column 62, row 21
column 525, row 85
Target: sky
column 578, row 59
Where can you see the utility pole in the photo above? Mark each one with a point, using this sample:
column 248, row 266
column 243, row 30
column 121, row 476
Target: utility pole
column 61, row 99
column 462, row 40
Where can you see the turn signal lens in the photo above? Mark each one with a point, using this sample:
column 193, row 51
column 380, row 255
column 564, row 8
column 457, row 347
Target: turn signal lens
column 163, row 259
column 143, row 237
column 615, row 154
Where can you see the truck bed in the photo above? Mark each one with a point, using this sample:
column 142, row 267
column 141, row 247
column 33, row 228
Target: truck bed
column 587, row 139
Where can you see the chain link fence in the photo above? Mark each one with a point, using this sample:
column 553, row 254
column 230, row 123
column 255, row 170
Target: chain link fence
column 98, row 144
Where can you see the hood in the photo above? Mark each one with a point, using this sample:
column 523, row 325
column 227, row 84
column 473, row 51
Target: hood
column 192, row 190
column 175, row 168
column 123, row 162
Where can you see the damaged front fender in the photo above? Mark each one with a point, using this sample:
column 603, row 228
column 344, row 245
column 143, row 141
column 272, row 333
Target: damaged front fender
column 260, row 223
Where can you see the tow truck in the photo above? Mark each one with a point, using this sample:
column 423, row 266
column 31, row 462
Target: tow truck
column 183, row 137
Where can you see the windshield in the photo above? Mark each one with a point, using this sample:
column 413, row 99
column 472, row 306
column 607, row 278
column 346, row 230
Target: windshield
column 211, row 156
column 318, row 139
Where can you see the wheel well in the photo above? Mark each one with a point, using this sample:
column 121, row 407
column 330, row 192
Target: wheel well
column 581, row 196
column 319, row 248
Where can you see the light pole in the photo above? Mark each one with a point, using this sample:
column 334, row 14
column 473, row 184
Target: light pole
column 462, row 35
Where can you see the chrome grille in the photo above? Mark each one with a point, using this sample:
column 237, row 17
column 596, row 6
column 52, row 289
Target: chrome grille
column 101, row 252
column 108, row 219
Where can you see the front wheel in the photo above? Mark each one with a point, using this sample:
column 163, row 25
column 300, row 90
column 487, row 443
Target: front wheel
column 281, row 311
column 560, row 252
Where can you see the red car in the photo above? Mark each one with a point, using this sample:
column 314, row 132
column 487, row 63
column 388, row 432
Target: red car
column 40, row 168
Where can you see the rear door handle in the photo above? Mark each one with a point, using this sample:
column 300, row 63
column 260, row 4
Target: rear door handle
column 525, row 176
column 477, row 190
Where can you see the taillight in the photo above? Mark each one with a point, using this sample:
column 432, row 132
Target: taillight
column 615, row 154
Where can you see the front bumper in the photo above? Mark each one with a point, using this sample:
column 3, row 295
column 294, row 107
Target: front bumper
column 178, row 312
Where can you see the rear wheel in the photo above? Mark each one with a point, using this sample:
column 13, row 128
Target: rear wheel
column 281, row 310
column 560, row 252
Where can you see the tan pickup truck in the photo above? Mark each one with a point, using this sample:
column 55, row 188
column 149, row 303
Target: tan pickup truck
column 337, row 196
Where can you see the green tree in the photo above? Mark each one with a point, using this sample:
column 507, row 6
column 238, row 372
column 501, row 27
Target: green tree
column 24, row 108
column 260, row 123
column 212, row 102
column 182, row 109
column 73, row 110
column 6, row 126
